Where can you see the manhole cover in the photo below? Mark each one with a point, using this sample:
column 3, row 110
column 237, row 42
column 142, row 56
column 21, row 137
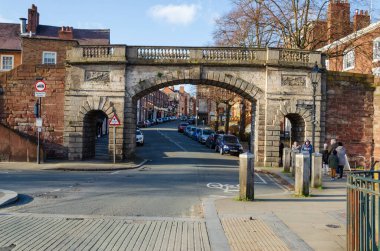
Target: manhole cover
column 332, row 226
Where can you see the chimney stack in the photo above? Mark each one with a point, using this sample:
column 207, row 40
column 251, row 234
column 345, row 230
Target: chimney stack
column 66, row 33
column 33, row 19
column 181, row 89
column 361, row 20
column 338, row 20
column 22, row 25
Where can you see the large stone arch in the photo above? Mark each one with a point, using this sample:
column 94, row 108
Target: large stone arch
column 74, row 129
column 230, row 82
column 283, row 109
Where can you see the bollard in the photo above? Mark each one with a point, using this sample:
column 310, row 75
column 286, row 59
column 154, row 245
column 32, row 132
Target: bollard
column 293, row 162
column 286, row 159
column 316, row 165
column 246, row 180
column 302, row 181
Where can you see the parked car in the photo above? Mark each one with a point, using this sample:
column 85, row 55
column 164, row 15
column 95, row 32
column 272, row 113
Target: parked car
column 191, row 121
column 139, row 138
column 188, row 130
column 159, row 120
column 182, row 126
column 148, row 123
column 203, row 135
column 195, row 133
column 183, row 118
column 141, row 124
column 152, row 122
column 211, row 140
column 191, row 131
column 228, row 144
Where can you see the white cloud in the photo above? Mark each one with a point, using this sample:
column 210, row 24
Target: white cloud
column 183, row 14
column 5, row 20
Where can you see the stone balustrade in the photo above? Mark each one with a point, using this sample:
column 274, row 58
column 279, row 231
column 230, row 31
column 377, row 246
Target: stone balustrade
column 192, row 55
column 96, row 54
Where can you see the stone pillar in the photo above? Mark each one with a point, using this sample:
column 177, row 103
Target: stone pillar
column 293, row 162
column 130, row 115
column 246, row 176
column 286, row 159
column 302, row 181
column 316, row 164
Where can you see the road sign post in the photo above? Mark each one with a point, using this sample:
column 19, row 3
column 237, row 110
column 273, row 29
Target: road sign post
column 40, row 87
column 114, row 122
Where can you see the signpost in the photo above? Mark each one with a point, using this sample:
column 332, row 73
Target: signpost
column 40, row 87
column 114, row 122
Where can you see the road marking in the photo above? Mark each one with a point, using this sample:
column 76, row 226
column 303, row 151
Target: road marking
column 114, row 172
column 263, row 181
column 275, row 182
column 168, row 138
column 4, row 172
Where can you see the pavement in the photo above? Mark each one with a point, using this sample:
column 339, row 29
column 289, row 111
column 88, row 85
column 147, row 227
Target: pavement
column 271, row 222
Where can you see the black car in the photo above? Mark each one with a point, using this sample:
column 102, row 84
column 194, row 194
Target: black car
column 228, row 144
column 211, row 140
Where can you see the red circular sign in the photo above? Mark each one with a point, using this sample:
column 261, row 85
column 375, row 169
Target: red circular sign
column 40, row 86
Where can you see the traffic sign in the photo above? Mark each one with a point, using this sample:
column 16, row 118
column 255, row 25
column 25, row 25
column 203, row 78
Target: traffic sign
column 114, row 121
column 40, row 94
column 40, row 86
column 39, row 122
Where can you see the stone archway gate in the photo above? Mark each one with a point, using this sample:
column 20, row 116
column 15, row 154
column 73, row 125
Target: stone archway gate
column 112, row 78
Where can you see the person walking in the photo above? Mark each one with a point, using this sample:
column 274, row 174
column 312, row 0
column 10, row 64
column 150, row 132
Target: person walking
column 307, row 147
column 333, row 145
column 333, row 163
column 296, row 147
column 325, row 158
column 341, row 152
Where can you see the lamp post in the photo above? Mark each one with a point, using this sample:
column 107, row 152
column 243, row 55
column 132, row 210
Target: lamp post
column 315, row 76
column 242, row 120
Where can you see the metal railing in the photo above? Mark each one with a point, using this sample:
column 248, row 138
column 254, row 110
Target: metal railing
column 363, row 207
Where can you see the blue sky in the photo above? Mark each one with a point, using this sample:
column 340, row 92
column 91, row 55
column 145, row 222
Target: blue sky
column 137, row 22
column 132, row 22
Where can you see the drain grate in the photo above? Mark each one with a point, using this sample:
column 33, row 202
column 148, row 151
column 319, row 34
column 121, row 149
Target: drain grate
column 332, row 226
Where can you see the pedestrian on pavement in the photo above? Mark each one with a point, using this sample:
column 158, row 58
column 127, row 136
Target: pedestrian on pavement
column 325, row 158
column 296, row 147
column 341, row 152
column 333, row 163
column 307, row 147
column 281, row 152
column 333, row 145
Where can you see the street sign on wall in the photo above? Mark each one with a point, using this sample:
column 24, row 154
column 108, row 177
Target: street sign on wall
column 40, row 87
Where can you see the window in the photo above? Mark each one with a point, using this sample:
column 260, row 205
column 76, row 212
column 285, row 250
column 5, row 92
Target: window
column 376, row 71
column 6, row 62
column 348, row 60
column 376, row 49
column 49, row 57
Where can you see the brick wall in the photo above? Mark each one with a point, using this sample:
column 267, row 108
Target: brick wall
column 376, row 124
column 350, row 112
column 17, row 101
column 32, row 49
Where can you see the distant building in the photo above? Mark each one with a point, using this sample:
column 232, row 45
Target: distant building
column 153, row 106
column 352, row 46
column 12, row 44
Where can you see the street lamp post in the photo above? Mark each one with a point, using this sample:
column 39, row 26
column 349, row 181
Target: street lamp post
column 315, row 76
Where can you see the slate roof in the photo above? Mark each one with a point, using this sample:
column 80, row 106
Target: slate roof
column 10, row 37
column 84, row 36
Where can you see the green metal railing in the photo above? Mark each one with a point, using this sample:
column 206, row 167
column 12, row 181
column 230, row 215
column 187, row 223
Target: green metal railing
column 363, row 207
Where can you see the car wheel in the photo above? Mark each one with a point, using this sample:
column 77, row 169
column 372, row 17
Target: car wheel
column 221, row 151
column 142, row 143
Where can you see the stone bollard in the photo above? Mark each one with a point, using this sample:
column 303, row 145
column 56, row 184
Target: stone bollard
column 316, row 165
column 286, row 159
column 302, row 181
column 293, row 162
column 246, row 180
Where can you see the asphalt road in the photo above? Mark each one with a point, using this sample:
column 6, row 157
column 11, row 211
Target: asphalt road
column 181, row 173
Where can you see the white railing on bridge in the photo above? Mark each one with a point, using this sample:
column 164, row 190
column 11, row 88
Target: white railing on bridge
column 166, row 54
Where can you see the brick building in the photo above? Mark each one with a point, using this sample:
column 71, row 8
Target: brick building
column 39, row 51
column 350, row 45
column 153, row 106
